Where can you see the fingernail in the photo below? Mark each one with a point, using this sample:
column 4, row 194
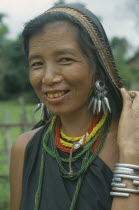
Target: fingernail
column 122, row 88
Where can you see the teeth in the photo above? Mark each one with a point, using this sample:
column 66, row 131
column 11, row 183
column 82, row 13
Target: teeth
column 55, row 95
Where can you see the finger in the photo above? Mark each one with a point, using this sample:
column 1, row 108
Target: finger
column 135, row 104
column 127, row 102
column 132, row 93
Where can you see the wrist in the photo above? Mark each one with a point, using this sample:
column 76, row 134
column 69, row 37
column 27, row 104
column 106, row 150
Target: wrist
column 129, row 157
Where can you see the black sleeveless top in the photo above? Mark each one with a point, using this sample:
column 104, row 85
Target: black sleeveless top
column 57, row 192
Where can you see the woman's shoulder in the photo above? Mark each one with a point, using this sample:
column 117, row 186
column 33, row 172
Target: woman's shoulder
column 21, row 142
column 16, row 166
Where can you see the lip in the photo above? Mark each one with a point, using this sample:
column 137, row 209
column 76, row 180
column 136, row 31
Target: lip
column 58, row 99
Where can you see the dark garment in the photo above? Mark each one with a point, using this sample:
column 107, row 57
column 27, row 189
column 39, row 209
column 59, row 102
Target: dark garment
column 57, row 192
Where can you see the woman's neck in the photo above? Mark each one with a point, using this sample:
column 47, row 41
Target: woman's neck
column 76, row 124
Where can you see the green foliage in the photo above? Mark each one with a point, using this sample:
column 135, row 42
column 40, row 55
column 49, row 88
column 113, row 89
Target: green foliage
column 3, row 31
column 120, row 47
column 16, row 76
column 78, row 4
column 14, row 110
column 64, row 2
column 3, row 28
column 59, row 2
column 14, row 68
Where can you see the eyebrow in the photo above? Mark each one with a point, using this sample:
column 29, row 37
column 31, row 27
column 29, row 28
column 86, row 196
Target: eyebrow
column 31, row 57
column 58, row 52
column 65, row 51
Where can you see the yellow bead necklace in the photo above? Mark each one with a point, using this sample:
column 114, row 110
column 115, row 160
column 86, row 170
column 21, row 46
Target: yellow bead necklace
column 87, row 136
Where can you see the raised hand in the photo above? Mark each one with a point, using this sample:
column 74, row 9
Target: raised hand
column 128, row 129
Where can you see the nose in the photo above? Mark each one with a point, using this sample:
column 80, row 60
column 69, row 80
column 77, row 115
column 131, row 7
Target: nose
column 51, row 75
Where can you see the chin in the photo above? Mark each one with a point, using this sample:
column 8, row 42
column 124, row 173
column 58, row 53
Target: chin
column 67, row 111
column 58, row 112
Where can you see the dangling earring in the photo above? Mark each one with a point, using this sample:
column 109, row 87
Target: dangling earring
column 37, row 108
column 99, row 100
column 44, row 111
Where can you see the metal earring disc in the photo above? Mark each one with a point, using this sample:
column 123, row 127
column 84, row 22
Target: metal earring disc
column 100, row 100
column 100, row 85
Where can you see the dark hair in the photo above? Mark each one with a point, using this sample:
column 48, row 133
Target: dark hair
column 37, row 24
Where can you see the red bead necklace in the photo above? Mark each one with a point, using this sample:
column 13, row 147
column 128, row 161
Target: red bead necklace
column 65, row 149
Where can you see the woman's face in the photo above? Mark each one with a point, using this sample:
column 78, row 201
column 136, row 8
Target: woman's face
column 59, row 71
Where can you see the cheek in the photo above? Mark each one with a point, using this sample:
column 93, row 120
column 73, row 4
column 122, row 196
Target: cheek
column 83, row 87
column 76, row 74
column 85, row 80
column 87, row 88
column 35, row 78
column 87, row 85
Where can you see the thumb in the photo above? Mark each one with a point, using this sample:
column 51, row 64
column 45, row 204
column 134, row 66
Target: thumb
column 127, row 101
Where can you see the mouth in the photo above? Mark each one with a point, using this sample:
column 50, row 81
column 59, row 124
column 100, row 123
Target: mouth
column 56, row 94
column 57, row 97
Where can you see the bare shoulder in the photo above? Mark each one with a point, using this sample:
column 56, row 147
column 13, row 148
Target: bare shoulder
column 16, row 167
column 21, row 142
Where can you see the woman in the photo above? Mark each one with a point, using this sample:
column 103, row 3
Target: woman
column 70, row 155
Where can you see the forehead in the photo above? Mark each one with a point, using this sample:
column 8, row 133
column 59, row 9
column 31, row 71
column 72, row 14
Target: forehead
column 59, row 33
column 64, row 26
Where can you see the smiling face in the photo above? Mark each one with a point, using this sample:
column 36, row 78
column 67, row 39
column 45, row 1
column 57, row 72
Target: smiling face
column 59, row 71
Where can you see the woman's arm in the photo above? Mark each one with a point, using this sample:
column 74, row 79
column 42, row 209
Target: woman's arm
column 16, row 168
column 128, row 142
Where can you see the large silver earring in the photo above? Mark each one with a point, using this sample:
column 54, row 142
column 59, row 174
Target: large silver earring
column 44, row 111
column 37, row 108
column 100, row 101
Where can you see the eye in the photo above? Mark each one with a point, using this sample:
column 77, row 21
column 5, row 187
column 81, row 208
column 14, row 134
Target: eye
column 66, row 60
column 36, row 64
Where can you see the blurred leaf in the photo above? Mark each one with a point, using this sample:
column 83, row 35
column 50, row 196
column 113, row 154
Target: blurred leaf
column 120, row 47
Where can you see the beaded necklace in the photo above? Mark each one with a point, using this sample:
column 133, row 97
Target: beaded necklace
column 88, row 154
column 73, row 139
column 69, row 142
